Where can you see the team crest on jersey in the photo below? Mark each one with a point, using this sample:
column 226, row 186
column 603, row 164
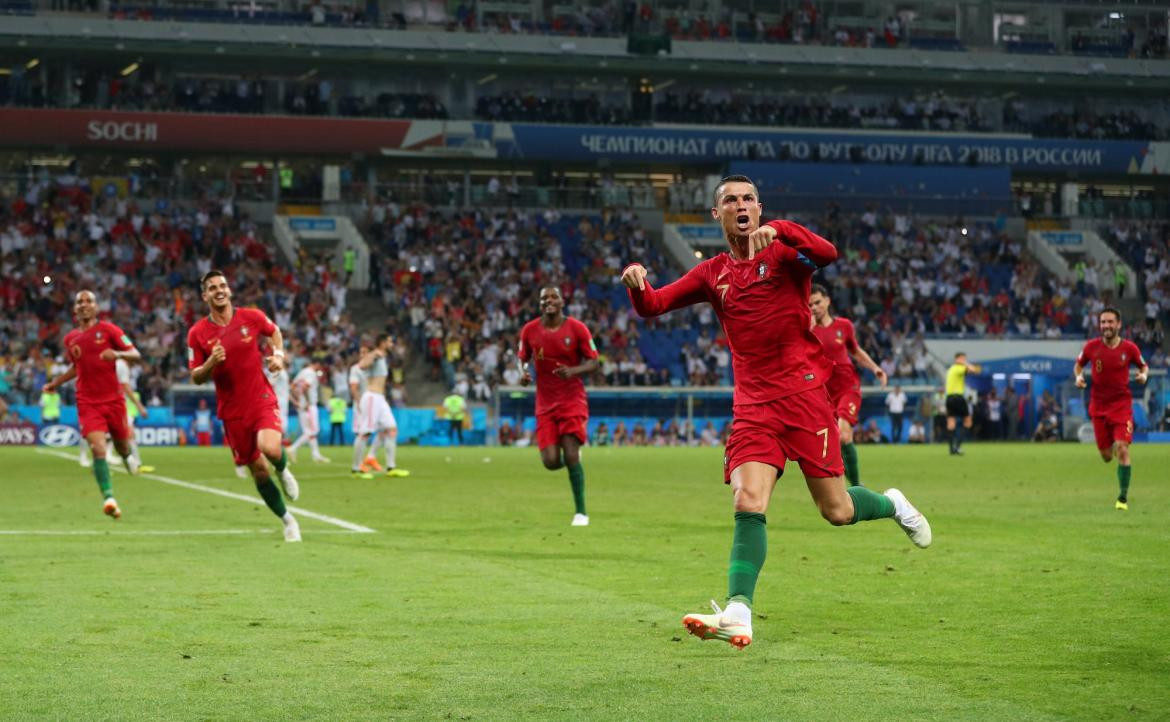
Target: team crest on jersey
column 839, row 334
column 568, row 341
column 98, row 336
column 762, row 270
column 1123, row 357
column 244, row 332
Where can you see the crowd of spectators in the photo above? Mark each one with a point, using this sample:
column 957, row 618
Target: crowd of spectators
column 1145, row 247
column 537, row 108
column 930, row 111
column 325, row 96
column 459, row 285
column 803, row 24
column 1121, row 125
column 143, row 260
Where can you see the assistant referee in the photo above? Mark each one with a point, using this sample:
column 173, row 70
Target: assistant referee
column 957, row 407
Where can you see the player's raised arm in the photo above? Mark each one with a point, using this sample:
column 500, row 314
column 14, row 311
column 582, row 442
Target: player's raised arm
column 818, row 251
column 649, row 301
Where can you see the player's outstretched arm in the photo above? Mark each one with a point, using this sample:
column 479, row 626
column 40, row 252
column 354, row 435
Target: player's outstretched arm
column 866, row 361
column 808, row 244
column 649, row 301
column 64, row 378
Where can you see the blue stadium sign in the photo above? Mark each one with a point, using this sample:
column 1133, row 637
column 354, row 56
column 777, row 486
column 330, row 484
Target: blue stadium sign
column 583, row 143
column 310, row 223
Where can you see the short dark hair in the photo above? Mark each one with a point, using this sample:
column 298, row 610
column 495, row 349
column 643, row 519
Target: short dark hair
column 208, row 276
column 1112, row 310
column 960, row 353
column 818, row 288
column 737, row 178
column 380, row 338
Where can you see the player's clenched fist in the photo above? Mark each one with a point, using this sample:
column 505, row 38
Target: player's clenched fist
column 634, row 276
column 218, row 355
column 760, row 239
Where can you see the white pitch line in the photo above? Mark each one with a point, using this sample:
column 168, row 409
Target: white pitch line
column 149, row 532
column 229, row 494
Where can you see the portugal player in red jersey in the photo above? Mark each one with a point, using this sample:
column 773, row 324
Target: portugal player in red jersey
column 562, row 350
column 844, row 385
column 1110, row 403
column 225, row 347
column 94, row 348
column 760, row 291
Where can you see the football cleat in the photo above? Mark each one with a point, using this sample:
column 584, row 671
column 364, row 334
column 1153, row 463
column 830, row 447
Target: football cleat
column 580, row 520
column 145, row 468
column 910, row 519
column 397, row 472
column 370, row 463
column 110, row 509
column 360, row 474
column 289, row 483
column 720, row 625
column 132, row 465
column 292, row 530
column 1121, row 505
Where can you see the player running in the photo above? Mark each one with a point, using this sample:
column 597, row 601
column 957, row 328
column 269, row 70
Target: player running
column 304, row 396
column 93, row 349
column 1110, row 401
column 844, row 385
column 562, row 350
column 225, row 348
column 372, row 414
column 134, row 409
column 760, row 292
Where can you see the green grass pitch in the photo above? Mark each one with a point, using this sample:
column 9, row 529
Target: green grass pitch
column 474, row 599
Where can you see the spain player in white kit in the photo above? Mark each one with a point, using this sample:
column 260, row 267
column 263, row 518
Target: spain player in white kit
column 305, row 388
column 372, row 414
column 134, row 409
